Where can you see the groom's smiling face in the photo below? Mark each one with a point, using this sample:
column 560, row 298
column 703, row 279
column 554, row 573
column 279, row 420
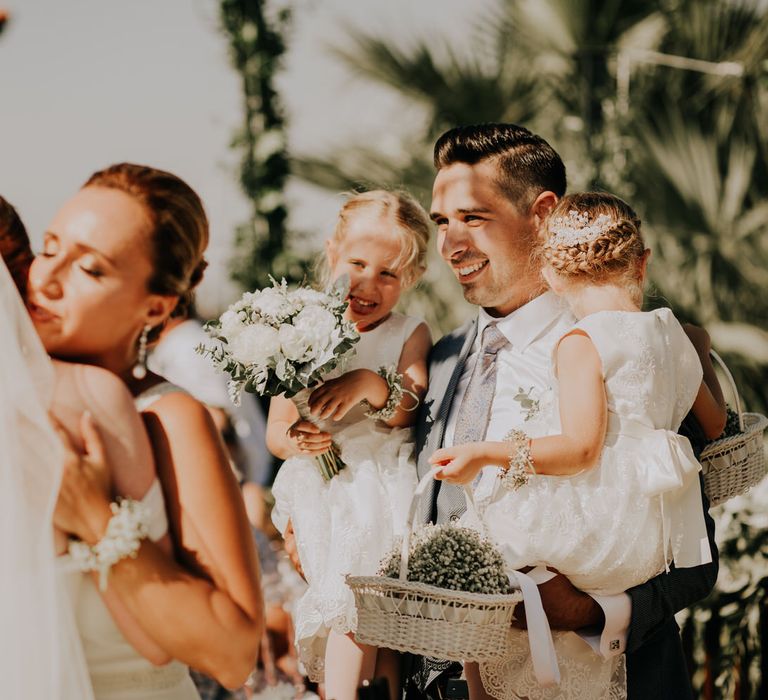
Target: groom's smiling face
column 483, row 236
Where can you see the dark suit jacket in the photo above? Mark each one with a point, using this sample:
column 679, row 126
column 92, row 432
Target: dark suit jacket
column 655, row 663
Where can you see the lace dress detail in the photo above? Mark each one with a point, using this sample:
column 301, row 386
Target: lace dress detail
column 345, row 526
column 117, row 670
column 616, row 525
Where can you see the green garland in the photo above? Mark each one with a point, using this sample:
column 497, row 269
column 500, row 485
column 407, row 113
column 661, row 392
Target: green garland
column 257, row 46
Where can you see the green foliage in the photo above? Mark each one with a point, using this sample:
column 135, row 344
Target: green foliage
column 256, row 48
column 726, row 635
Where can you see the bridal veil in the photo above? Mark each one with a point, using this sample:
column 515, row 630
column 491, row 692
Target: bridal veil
column 40, row 652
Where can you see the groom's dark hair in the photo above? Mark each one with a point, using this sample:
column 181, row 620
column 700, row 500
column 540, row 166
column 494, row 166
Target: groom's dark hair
column 527, row 165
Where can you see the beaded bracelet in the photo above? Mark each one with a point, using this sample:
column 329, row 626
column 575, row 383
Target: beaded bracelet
column 126, row 528
column 394, row 381
column 517, row 473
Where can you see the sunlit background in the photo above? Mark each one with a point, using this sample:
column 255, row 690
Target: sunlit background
column 271, row 110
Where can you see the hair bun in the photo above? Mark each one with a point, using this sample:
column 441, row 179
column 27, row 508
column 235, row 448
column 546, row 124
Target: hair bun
column 197, row 274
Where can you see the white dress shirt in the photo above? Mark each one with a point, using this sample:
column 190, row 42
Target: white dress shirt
column 523, row 375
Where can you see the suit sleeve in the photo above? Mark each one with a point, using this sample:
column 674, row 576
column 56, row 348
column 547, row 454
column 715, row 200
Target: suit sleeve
column 656, row 601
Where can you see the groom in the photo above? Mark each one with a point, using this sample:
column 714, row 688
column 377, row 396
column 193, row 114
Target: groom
column 495, row 184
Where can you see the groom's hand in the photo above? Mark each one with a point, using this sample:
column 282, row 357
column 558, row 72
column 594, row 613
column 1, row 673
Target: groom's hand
column 567, row 607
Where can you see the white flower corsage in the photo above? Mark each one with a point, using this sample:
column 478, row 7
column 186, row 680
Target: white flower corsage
column 126, row 528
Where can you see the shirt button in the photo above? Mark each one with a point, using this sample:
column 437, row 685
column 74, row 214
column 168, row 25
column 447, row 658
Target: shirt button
column 454, row 518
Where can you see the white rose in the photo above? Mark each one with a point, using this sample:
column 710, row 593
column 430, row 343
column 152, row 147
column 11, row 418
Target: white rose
column 295, row 343
column 318, row 322
column 245, row 302
column 272, row 303
column 307, row 297
column 230, row 325
column 255, row 345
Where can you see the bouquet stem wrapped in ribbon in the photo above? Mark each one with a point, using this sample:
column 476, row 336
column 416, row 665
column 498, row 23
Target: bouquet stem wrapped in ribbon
column 329, row 463
column 279, row 341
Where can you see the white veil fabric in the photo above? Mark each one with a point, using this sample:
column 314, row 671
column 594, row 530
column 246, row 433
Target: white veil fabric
column 40, row 652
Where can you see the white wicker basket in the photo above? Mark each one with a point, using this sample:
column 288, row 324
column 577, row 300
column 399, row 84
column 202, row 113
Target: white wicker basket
column 445, row 624
column 733, row 464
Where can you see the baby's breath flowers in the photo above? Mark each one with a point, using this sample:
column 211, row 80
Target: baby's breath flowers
column 452, row 557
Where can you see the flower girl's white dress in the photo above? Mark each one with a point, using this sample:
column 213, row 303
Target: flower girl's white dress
column 616, row 525
column 117, row 670
column 345, row 526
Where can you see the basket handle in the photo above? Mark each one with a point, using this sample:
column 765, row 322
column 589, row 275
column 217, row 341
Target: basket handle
column 422, row 486
column 732, row 383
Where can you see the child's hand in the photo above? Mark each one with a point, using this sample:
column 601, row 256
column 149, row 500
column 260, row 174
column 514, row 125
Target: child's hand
column 460, row 464
column 308, row 439
column 334, row 399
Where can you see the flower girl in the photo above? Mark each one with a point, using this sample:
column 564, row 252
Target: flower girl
column 613, row 496
column 346, row 524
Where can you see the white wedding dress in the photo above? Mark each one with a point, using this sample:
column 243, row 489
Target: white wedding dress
column 620, row 523
column 346, row 526
column 117, row 670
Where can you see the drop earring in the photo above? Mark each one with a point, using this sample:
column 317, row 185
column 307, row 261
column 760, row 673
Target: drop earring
column 139, row 370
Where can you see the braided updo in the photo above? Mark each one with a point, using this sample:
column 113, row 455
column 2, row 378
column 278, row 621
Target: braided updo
column 179, row 234
column 613, row 253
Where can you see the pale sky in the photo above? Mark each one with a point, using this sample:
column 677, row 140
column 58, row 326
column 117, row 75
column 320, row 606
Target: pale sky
column 84, row 83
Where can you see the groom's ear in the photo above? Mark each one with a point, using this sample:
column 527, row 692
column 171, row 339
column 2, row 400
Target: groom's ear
column 542, row 205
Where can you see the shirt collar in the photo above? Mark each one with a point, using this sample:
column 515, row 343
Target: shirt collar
column 527, row 323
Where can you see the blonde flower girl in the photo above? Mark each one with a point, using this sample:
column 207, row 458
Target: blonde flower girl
column 346, row 525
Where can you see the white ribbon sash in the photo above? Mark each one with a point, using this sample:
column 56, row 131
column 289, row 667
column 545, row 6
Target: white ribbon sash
column 670, row 471
column 542, row 647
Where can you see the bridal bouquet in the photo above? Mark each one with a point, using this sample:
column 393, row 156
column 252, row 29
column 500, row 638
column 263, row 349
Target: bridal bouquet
column 281, row 341
column 453, row 557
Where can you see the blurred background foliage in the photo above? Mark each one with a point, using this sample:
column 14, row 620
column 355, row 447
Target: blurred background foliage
column 660, row 101
column 687, row 148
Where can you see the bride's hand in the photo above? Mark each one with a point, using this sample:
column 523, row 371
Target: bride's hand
column 82, row 508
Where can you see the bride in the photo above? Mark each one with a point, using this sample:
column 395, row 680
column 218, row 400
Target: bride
column 89, row 290
column 42, row 656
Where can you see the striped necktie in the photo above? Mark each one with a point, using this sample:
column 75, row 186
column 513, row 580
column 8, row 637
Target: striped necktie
column 474, row 414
